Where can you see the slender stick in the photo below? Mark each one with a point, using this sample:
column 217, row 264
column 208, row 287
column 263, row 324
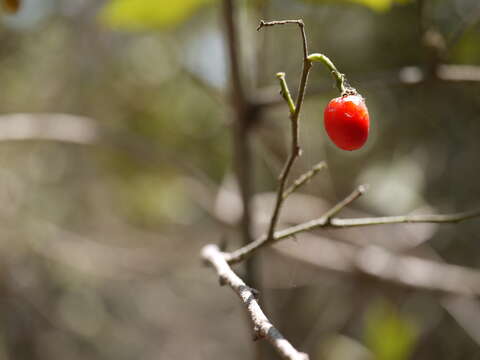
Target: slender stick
column 262, row 326
column 431, row 218
column 285, row 92
column 335, row 223
column 339, row 77
column 304, row 178
column 362, row 189
column 294, row 117
column 241, row 133
column 299, row 22
column 323, row 221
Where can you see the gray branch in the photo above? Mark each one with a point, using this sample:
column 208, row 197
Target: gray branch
column 262, row 326
column 327, row 222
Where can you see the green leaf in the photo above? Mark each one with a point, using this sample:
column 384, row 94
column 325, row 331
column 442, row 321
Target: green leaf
column 379, row 5
column 148, row 14
column 389, row 334
column 376, row 5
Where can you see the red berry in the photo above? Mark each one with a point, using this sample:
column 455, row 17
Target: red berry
column 347, row 122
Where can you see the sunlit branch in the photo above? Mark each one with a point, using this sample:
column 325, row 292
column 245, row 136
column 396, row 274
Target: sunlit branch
column 326, row 222
column 262, row 326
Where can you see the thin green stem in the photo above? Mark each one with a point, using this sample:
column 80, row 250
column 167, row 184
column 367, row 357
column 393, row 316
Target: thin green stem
column 285, row 92
column 339, row 77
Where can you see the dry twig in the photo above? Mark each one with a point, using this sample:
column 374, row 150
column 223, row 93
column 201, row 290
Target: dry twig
column 294, row 117
column 304, row 178
column 262, row 326
column 328, row 221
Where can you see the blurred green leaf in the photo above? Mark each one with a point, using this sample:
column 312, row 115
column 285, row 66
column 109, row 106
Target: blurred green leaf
column 148, row 14
column 389, row 334
column 376, row 5
column 467, row 51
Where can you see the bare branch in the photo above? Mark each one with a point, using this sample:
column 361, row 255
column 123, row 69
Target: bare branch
column 304, row 178
column 433, row 218
column 325, row 222
column 362, row 189
column 262, row 326
column 53, row 127
column 294, row 117
column 299, row 22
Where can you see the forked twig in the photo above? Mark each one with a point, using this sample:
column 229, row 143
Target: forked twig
column 330, row 222
column 362, row 189
column 294, row 117
column 324, row 221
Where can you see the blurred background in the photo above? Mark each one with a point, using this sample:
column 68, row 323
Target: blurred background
column 116, row 167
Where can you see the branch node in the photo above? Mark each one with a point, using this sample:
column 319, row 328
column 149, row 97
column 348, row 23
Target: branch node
column 262, row 24
column 255, row 293
column 328, row 216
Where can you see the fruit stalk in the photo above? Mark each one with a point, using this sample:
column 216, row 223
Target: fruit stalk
column 339, row 77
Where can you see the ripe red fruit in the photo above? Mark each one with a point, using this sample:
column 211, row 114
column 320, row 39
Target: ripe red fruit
column 347, row 122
